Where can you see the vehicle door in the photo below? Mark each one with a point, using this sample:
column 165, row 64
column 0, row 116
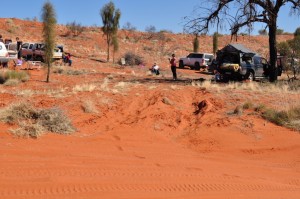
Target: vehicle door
column 189, row 59
column 258, row 66
column 197, row 58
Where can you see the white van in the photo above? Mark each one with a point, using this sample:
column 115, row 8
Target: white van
column 4, row 56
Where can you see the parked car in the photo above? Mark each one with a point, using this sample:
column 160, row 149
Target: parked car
column 235, row 61
column 4, row 56
column 196, row 60
column 36, row 51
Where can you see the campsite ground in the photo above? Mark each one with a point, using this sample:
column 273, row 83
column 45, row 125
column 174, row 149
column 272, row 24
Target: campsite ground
column 144, row 136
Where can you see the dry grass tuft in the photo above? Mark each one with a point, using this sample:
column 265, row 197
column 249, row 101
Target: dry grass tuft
column 7, row 75
column 89, row 106
column 167, row 101
column 34, row 122
column 289, row 118
column 84, row 88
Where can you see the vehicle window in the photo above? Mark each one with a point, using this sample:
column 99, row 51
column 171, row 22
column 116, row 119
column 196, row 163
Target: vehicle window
column 209, row 57
column 257, row 60
column 198, row 55
column 0, row 47
column 25, row 45
column 31, row 45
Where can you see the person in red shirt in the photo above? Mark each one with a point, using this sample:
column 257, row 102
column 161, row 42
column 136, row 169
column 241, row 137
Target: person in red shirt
column 173, row 62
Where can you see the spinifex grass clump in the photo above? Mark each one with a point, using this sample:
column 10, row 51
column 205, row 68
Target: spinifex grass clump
column 34, row 122
column 13, row 75
column 289, row 118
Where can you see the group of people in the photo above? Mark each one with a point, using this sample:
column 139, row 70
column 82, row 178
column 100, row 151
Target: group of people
column 173, row 63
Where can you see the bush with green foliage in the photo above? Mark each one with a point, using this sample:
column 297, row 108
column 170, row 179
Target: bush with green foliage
column 132, row 59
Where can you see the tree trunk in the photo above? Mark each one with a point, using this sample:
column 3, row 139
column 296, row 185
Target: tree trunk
column 273, row 49
column 48, row 73
column 108, row 45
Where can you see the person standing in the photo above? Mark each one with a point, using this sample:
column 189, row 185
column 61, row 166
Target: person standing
column 173, row 62
column 19, row 48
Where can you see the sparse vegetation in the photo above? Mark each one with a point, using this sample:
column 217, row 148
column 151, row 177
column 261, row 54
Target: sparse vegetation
column 11, row 77
column 132, row 59
column 88, row 106
column 247, row 105
column 67, row 70
column 34, row 122
column 289, row 118
column 238, row 110
column 74, row 28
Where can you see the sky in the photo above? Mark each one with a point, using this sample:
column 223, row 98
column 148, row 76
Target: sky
column 162, row 14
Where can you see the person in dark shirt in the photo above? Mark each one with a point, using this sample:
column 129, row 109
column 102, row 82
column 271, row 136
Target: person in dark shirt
column 19, row 47
column 173, row 62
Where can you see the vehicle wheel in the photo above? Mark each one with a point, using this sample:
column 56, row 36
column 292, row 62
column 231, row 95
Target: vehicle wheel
column 181, row 64
column 250, row 76
column 197, row 66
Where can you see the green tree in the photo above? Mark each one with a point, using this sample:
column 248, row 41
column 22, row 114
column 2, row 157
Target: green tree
column 49, row 23
column 279, row 31
column 297, row 32
column 115, row 42
column 215, row 42
column 283, row 48
column 110, row 18
column 196, row 44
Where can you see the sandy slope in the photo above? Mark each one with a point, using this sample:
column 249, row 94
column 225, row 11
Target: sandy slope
column 149, row 138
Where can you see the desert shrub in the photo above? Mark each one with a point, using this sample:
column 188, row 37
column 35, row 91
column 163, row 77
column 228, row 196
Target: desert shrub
column 34, row 122
column 12, row 74
column 260, row 108
column 167, row 101
column 88, row 106
column 2, row 78
column 74, row 28
column 67, row 71
column 29, row 130
column 238, row 110
column 11, row 82
column 289, row 118
column 132, row 59
column 54, row 120
column 247, row 105
column 18, row 113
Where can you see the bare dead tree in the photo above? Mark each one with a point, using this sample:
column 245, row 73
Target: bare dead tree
column 241, row 13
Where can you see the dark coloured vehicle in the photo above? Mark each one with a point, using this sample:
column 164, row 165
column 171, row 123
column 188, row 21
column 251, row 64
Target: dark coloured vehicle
column 236, row 62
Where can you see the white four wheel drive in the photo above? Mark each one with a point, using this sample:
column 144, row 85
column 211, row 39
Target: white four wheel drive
column 196, row 60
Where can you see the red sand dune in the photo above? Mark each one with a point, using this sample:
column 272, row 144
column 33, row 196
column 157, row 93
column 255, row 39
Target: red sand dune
column 148, row 137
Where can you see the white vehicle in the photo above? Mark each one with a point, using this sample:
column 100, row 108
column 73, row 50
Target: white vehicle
column 4, row 56
column 12, row 51
column 196, row 60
